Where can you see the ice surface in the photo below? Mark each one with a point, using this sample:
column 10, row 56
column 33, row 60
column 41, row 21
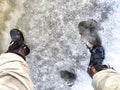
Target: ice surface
column 51, row 30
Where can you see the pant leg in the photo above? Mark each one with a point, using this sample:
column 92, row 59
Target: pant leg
column 14, row 73
column 106, row 80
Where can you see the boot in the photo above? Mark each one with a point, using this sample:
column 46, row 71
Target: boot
column 22, row 51
column 97, row 55
column 96, row 60
column 17, row 45
column 90, row 37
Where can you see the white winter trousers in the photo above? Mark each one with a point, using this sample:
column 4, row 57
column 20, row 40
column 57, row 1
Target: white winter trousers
column 14, row 73
column 106, row 80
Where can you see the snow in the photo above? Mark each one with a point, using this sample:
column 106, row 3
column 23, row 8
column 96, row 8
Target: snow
column 112, row 44
column 51, row 30
column 110, row 38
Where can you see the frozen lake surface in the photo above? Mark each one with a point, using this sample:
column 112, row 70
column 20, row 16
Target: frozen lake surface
column 51, row 30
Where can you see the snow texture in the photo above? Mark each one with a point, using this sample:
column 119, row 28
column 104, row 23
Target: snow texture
column 51, row 30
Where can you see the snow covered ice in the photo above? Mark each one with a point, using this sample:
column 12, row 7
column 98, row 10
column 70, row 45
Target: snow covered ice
column 51, row 30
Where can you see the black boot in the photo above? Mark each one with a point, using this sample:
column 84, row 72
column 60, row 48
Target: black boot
column 17, row 43
column 89, row 34
column 17, row 39
column 96, row 60
column 22, row 51
column 97, row 55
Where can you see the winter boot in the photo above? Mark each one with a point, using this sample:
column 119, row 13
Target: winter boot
column 96, row 60
column 97, row 55
column 22, row 51
column 17, row 43
column 90, row 37
column 17, row 39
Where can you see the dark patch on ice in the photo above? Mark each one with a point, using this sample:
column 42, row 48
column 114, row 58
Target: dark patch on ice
column 69, row 77
column 89, row 32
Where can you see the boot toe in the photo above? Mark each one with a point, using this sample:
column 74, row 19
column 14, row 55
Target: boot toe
column 16, row 35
